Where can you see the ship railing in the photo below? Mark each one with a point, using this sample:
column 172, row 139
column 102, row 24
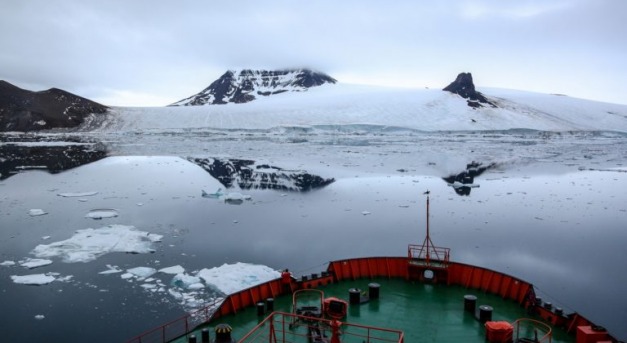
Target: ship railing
column 429, row 255
column 531, row 330
column 178, row 327
column 281, row 327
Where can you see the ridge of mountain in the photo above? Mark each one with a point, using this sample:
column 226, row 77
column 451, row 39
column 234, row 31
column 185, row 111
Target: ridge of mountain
column 24, row 110
column 246, row 85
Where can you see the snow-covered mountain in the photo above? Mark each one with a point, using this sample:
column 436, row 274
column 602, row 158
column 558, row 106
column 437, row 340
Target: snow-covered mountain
column 247, row 85
column 354, row 105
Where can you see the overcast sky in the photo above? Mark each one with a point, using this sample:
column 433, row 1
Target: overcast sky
column 153, row 53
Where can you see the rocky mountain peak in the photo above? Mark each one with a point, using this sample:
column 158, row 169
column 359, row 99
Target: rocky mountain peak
column 24, row 110
column 464, row 87
column 247, row 85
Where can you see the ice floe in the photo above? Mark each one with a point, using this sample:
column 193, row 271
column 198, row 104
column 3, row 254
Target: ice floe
column 102, row 213
column 88, row 244
column 7, row 263
column 111, row 270
column 31, row 263
column 185, row 281
column 77, row 195
column 141, row 272
column 36, row 212
column 39, row 316
column 33, row 279
column 172, row 270
column 230, row 278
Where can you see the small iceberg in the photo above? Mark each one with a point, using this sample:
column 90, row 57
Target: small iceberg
column 215, row 195
column 458, row 184
column 36, row 212
column 77, row 195
column 31, row 263
column 142, row 272
column 7, row 263
column 173, row 270
column 111, row 270
column 236, row 198
column 33, row 279
column 102, row 213
column 185, row 281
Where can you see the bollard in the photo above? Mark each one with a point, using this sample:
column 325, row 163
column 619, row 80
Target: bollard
column 270, row 305
column 470, row 302
column 373, row 290
column 485, row 313
column 354, row 295
column 261, row 307
column 204, row 336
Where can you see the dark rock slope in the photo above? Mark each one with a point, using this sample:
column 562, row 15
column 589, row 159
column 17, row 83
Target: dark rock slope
column 464, row 87
column 247, row 85
column 23, row 110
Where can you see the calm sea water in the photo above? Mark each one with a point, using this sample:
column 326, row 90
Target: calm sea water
column 556, row 225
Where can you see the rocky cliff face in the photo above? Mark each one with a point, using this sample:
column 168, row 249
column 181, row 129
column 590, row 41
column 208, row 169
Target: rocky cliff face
column 464, row 87
column 23, row 110
column 247, row 85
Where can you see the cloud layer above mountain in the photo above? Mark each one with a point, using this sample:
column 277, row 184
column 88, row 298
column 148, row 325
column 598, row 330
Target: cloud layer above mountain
column 146, row 53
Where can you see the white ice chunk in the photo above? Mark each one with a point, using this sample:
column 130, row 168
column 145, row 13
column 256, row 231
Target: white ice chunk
column 33, row 279
column 142, row 272
column 39, row 316
column 7, row 263
column 102, row 213
column 365, row 213
column 76, row 195
column 173, row 270
column 88, row 244
column 36, row 212
column 127, row 276
column 186, row 281
column 230, row 278
column 111, row 270
column 34, row 262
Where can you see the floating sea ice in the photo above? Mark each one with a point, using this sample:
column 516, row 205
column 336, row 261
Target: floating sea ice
column 142, row 272
column 365, row 213
column 186, row 281
column 111, row 270
column 88, row 244
column 172, row 270
column 36, row 212
column 126, row 276
column 230, row 278
column 7, row 263
column 33, row 279
column 102, row 213
column 45, row 237
column 31, row 263
column 76, row 195
column 39, row 316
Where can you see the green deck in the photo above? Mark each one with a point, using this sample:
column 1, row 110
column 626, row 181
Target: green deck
column 424, row 312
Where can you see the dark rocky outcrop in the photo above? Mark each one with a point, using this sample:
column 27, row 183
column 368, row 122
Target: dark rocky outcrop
column 246, row 175
column 245, row 85
column 23, row 110
column 464, row 87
